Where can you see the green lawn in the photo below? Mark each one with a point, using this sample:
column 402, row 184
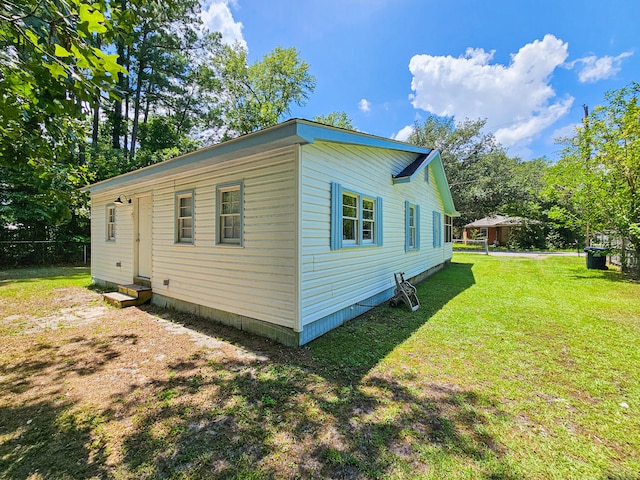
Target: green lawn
column 539, row 359
column 512, row 368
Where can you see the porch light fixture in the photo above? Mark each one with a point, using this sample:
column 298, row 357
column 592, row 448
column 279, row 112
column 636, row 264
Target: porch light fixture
column 120, row 201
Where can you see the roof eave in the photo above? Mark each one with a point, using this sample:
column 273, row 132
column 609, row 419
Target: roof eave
column 291, row 132
column 312, row 132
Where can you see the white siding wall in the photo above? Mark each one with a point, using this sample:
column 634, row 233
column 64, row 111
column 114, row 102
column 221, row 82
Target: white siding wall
column 336, row 279
column 260, row 279
column 105, row 255
column 256, row 280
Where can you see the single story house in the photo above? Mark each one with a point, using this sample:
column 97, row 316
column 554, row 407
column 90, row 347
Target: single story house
column 496, row 229
column 286, row 232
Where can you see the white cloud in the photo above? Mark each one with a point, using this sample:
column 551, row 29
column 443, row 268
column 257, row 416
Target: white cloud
column 364, row 105
column 403, row 134
column 516, row 99
column 594, row 68
column 217, row 17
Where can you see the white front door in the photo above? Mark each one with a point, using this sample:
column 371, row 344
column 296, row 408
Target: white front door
column 143, row 242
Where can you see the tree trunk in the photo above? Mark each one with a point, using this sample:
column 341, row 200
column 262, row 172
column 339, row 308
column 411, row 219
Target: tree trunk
column 146, row 107
column 95, row 134
column 138, row 93
column 136, row 112
column 183, row 116
column 116, row 120
column 126, row 104
column 147, row 99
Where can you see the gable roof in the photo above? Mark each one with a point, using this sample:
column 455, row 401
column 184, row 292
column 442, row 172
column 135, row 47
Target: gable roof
column 291, row 132
column 423, row 161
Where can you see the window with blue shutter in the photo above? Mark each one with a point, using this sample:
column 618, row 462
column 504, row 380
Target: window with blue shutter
column 356, row 218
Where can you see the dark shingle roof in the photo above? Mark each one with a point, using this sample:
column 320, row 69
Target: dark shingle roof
column 412, row 167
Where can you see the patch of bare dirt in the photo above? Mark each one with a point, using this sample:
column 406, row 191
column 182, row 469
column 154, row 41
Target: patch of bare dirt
column 63, row 308
column 85, row 355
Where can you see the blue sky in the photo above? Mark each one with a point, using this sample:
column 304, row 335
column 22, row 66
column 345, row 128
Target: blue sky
column 528, row 67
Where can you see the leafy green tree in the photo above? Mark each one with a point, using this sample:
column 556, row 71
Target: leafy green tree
column 260, row 94
column 597, row 181
column 485, row 181
column 574, row 192
column 141, row 79
column 168, row 56
column 49, row 69
column 336, row 119
column 159, row 140
column 481, row 175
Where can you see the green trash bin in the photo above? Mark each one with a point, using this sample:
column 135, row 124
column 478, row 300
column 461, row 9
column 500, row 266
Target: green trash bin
column 596, row 258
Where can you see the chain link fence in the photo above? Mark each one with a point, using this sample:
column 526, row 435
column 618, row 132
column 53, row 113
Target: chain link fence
column 19, row 253
column 622, row 252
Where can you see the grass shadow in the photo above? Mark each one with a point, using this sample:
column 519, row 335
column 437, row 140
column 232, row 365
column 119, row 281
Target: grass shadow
column 611, row 275
column 43, row 434
column 278, row 419
column 348, row 352
column 351, row 350
column 44, row 440
column 312, row 403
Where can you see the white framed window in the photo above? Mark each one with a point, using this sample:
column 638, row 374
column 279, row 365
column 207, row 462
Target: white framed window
column 356, row 218
column 448, row 229
column 368, row 220
column 184, row 217
column 229, row 212
column 411, row 226
column 111, row 223
column 350, row 219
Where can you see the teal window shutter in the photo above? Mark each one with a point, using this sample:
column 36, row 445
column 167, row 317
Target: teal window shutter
column 437, row 229
column 407, row 228
column 417, row 227
column 379, row 221
column 336, row 216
